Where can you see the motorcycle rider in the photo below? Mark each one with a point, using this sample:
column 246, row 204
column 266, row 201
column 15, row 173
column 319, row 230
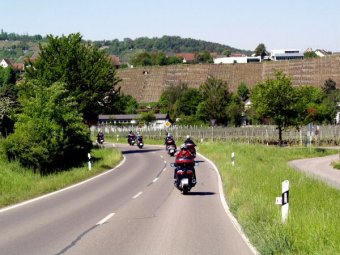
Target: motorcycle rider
column 191, row 145
column 186, row 154
column 169, row 140
column 100, row 137
column 139, row 136
column 131, row 137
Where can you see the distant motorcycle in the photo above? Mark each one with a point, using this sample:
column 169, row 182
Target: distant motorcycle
column 140, row 142
column 100, row 140
column 131, row 140
column 171, row 149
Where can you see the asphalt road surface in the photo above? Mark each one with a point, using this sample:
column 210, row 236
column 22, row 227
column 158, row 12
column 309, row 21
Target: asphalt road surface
column 132, row 209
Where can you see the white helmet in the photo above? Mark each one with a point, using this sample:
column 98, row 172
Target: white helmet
column 188, row 136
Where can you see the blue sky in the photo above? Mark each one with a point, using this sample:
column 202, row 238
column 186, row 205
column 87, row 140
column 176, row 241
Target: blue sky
column 242, row 24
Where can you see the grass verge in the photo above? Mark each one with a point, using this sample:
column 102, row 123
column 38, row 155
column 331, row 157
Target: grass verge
column 18, row 184
column 313, row 226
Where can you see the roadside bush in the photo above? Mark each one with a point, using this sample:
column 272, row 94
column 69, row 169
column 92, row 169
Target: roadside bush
column 49, row 134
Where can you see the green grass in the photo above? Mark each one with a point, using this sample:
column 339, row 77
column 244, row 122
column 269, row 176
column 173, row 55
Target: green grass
column 18, row 184
column 313, row 226
column 336, row 165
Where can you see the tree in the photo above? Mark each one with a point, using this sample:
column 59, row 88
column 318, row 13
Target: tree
column 169, row 97
column 86, row 71
column 329, row 86
column 243, row 91
column 234, row 111
column 204, row 57
column 187, row 102
column 310, row 54
column 261, row 50
column 147, row 117
column 215, row 94
column 50, row 133
column 276, row 99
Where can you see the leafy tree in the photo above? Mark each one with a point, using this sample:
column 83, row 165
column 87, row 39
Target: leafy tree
column 142, row 59
column 234, row 111
column 204, row 57
column 276, row 99
column 310, row 54
column 227, row 53
column 7, row 76
column 49, row 134
column 169, row 97
column 86, row 71
column 147, row 117
column 261, row 50
column 243, row 91
column 125, row 104
column 215, row 94
column 329, row 86
column 187, row 103
column 201, row 113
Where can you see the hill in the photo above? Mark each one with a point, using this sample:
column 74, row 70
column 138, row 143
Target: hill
column 15, row 47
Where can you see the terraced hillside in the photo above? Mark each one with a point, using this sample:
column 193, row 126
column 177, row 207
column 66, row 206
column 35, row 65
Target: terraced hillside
column 146, row 84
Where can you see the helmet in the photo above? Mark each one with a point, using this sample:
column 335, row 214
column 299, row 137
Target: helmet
column 188, row 136
column 184, row 147
column 169, row 135
column 138, row 133
column 130, row 132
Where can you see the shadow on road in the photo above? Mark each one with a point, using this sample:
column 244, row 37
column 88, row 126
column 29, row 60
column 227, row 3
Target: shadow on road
column 201, row 193
column 139, row 151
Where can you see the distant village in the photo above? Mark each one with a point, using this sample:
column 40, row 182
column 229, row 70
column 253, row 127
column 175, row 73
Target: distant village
column 187, row 58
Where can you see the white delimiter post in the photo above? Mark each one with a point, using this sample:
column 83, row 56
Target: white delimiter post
column 89, row 156
column 285, row 200
column 233, row 158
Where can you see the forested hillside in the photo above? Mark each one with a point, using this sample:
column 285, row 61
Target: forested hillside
column 15, row 47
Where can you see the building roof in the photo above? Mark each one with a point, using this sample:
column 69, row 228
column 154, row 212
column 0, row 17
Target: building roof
column 188, row 57
column 115, row 60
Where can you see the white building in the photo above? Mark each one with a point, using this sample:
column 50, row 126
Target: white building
column 236, row 60
column 5, row 63
column 287, row 54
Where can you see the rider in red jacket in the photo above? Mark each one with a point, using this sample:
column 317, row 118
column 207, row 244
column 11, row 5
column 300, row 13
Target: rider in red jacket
column 185, row 158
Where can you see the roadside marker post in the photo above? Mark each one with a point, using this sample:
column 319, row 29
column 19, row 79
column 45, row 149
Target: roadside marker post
column 284, row 201
column 90, row 166
column 117, row 137
column 233, row 158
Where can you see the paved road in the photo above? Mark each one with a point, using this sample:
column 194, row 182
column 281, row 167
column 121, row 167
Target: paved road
column 321, row 168
column 133, row 209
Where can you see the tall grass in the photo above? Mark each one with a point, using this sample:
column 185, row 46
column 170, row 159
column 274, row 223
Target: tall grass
column 18, row 184
column 313, row 226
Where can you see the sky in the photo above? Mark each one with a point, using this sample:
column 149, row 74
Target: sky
column 242, row 24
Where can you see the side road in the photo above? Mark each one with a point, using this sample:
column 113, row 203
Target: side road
column 320, row 167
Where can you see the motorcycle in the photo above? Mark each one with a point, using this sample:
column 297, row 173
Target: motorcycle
column 100, row 140
column 131, row 140
column 140, row 143
column 171, row 149
column 184, row 176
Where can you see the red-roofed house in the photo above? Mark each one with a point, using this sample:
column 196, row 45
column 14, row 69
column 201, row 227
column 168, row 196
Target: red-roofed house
column 187, row 57
column 115, row 61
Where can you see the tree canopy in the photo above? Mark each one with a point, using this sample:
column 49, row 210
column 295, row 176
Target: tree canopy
column 86, row 71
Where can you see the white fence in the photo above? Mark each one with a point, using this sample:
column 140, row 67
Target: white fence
column 318, row 135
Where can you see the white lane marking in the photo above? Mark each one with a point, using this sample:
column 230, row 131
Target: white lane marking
column 59, row 191
column 164, row 169
column 226, row 207
column 164, row 162
column 137, row 195
column 162, row 156
column 154, row 180
column 105, row 219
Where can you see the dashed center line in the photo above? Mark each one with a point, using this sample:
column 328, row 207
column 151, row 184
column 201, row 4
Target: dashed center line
column 156, row 179
column 137, row 195
column 105, row 219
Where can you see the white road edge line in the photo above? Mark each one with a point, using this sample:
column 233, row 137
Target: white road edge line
column 105, row 219
column 156, row 179
column 58, row 191
column 164, row 169
column 164, row 162
column 137, row 195
column 226, row 207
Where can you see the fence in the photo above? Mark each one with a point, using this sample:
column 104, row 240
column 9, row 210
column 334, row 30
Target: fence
column 316, row 135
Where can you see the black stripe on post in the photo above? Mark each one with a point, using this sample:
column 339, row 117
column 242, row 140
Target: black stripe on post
column 285, row 197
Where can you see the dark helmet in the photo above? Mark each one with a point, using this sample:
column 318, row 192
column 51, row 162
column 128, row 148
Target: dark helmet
column 184, row 147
